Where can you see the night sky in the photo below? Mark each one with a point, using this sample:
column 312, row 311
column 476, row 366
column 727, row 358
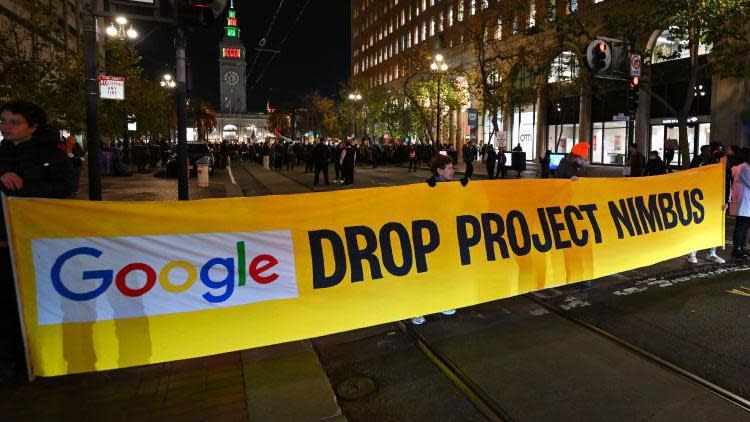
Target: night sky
column 315, row 56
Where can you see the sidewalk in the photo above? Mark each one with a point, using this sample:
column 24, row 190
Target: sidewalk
column 245, row 385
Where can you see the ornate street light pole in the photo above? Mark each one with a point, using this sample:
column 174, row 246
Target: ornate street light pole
column 439, row 67
column 168, row 82
column 356, row 97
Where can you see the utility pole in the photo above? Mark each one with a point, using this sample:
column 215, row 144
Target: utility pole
column 180, row 99
column 91, row 91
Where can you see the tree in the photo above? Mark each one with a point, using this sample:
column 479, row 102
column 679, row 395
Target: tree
column 419, row 86
column 319, row 115
column 145, row 101
column 279, row 121
column 722, row 24
column 203, row 116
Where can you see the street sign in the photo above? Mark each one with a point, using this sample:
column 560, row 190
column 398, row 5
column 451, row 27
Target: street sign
column 111, row 87
column 635, row 65
column 621, row 118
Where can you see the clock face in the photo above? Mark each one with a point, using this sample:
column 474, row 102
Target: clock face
column 231, row 78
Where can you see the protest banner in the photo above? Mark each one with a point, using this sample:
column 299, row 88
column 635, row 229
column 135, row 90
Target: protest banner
column 107, row 285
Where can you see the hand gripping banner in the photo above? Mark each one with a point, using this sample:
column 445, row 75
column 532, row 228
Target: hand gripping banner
column 107, row 285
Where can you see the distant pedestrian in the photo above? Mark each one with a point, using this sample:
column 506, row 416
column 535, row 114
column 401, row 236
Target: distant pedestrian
column 636, row 162
column 490, row 160
column 468, row 156
column 502, row 163
column 544, row 162
column 348, row 161
column 320, row 155
column 412, row 159
column 655, row 165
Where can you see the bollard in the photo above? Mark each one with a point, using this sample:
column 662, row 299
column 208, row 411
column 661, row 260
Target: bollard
column 202, row 171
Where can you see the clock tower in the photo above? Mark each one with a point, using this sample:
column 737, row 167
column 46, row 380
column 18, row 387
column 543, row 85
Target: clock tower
column 232, row 67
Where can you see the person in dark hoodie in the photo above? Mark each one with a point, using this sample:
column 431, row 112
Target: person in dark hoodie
column 31, row 165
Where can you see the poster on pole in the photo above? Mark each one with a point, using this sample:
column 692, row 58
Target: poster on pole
column 111, row 87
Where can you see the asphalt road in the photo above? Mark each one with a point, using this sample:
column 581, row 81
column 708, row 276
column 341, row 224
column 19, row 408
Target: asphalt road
column 530, row 363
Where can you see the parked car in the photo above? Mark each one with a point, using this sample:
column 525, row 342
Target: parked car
column 195, row 152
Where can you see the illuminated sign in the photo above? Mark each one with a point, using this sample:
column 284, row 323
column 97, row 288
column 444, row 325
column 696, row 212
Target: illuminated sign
column 232, row 32
column 111, row 87
column 232, row 21
column 232, row 53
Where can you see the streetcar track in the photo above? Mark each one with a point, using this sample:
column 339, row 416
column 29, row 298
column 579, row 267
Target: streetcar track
column 489, row 407
column 648, row 356
column 485, row 404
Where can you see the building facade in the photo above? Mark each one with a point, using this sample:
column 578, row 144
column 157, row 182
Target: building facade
column 233, row 122
column 28, row 21
column 562, row 107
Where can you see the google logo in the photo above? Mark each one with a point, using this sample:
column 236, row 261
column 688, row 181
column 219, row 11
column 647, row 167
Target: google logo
column 260, row 270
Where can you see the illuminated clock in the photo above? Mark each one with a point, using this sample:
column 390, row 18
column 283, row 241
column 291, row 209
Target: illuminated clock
column 231, row 78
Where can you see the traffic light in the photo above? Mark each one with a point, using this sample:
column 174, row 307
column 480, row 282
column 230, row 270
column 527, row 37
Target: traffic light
column 634, row 88
column 195, row 13
column 599, row 56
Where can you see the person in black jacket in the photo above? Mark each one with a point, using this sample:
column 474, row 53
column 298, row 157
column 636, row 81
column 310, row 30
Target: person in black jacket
column 468, row 156
column 655, row 165
column 490, row 161
column 320, row 155
column 31, row 165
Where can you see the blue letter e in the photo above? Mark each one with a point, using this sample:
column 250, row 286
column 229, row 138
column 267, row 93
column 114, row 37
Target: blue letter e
column 104, row 275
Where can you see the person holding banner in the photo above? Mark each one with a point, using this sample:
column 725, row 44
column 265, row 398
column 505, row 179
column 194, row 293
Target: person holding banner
column 740, row 206
column 715, row 155
column 571, row 167
column 31, row 165
column 442, row 171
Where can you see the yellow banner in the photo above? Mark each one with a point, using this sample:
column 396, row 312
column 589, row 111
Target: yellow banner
column 114, row 284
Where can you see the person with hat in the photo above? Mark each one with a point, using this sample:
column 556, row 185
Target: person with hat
column 571, row 167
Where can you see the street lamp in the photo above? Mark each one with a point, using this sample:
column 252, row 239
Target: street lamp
column 356, row 97
column 439, row 67
column 121, row 30
column 168, row 82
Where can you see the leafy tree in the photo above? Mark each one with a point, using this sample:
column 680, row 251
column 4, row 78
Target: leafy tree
column 203, row 116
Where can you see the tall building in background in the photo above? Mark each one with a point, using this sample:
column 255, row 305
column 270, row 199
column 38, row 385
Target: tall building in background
column 232, row 65
column 557, row 110
column 43, row 24
column 233, row 122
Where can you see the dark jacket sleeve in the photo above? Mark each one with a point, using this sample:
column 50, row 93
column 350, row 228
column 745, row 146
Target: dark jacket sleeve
column 56, row 179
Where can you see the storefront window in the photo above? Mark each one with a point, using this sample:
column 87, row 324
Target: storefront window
column 561, row 138
column 704, row 137
column 596, row 143
column 657, row 140
column 674, row 133
column 615, row 143
column 524, row 130
column 488, row 128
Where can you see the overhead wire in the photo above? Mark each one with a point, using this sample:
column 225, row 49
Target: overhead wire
column 281, row 46
column 263, row 40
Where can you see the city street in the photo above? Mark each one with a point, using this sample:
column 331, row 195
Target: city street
column 644, row 344
column 167, row 253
